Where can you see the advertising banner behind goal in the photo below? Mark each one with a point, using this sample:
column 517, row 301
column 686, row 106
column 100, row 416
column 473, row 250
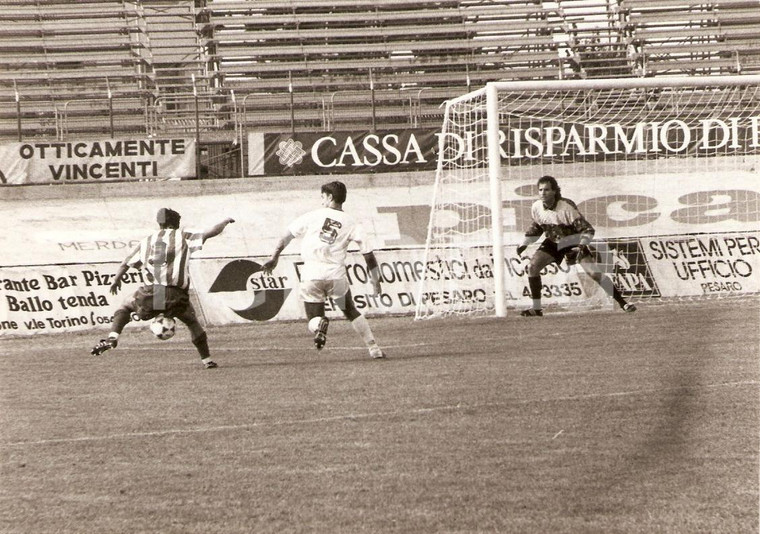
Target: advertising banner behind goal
column 343, row 152
column 70, row 298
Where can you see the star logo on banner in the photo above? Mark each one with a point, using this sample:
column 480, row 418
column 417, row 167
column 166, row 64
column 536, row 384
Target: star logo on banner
column 234, row 279
column 290, row 152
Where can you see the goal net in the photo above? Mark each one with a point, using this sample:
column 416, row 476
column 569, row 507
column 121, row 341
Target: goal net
column 665, row 169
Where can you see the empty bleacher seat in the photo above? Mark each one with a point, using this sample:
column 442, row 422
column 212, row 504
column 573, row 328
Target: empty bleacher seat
column 693, row 37
column 59, row 51
column 322, row 47
column 318, row 64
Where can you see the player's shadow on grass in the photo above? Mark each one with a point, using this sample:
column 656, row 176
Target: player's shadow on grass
column 657, row 459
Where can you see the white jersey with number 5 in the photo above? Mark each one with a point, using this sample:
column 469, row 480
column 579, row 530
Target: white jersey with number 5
column 326, row 234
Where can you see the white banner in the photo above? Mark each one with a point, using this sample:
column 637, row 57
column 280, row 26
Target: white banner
column 67, row 298
column 104, row 229
column 709, row 264
column 234, row 290
column 60, row 298
column 101, row 160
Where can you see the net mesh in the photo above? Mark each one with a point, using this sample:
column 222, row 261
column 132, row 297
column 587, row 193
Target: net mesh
column 666, row 175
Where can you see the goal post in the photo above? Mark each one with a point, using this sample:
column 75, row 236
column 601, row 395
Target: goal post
column 494, row 182
column 625, row 150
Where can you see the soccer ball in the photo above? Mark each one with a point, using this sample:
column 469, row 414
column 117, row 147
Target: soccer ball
column 314, row 324
column 163, row 327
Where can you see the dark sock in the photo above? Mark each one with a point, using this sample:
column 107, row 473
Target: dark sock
column 534, row 283
column 201, row 343
column 618, row 297
column 120, row 320
column 314, row 309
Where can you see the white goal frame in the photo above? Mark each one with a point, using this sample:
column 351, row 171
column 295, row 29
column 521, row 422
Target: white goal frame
column 494, row 164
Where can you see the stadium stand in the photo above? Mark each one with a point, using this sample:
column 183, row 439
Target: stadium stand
column 690, row 37
column 180, row 65
column 61, row 60
column 592, row 37
column 332, row 54
column 111, row 67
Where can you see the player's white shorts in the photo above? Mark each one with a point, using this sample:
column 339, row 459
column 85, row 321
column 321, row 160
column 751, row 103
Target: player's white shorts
column 321, row 290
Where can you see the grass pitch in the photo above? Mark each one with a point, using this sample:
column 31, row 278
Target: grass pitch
column 599, row 422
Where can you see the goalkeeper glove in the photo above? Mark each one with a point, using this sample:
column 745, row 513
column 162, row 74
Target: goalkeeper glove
column 583, row 250
column 521, row 249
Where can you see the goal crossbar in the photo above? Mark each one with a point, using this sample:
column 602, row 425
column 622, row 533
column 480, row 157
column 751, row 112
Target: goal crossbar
column 614, row 83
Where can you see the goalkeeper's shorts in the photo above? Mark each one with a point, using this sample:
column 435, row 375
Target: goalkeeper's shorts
column 566, row 253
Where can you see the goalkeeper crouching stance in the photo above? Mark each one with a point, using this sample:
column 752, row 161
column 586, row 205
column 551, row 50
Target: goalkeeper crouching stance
column 568, row 235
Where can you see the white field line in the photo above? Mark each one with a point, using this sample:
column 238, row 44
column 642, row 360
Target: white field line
column 187, row 346
column 306, row 345
column 369, row 415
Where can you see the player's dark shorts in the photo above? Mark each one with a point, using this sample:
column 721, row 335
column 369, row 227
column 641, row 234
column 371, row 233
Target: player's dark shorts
column 172, row 301
column 570, row 253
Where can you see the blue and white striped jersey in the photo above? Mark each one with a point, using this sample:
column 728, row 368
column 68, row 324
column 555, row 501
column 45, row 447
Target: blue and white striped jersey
column 164, row 256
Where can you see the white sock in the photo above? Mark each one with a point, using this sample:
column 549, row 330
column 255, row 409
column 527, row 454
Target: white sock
column 361, row 325
column 113, row 335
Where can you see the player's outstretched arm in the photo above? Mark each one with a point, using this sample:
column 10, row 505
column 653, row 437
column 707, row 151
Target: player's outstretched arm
column 217, row 229
column 374, row 272
column 116, row 284
column 271, row 263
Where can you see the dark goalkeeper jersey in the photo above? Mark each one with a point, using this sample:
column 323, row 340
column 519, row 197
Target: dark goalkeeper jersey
column 562, row 223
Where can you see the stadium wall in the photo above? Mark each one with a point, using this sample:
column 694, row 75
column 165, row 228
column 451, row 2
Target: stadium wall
column 65, row 241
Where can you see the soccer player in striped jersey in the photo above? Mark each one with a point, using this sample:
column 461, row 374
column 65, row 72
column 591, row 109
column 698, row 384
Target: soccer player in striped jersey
column 164, row 258
column 568, row 235
column 327, row 232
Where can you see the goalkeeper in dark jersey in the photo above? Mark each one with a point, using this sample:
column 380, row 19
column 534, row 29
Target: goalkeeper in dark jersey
column 568, row 235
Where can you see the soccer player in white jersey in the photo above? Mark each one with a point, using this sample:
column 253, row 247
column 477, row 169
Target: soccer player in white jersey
column 164, row 258
column 326, row 234
column 568, row 235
